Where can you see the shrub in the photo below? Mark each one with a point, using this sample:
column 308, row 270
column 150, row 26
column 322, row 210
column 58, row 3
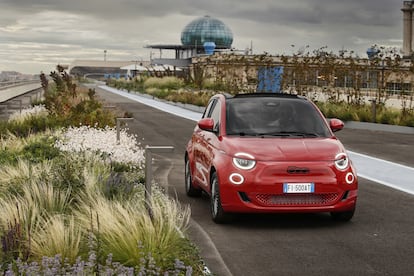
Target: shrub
column 40, row 150
column 167, row 83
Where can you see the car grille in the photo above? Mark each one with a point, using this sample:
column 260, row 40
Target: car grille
column 297, row 199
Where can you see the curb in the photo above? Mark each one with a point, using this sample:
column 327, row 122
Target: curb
column 379, row 127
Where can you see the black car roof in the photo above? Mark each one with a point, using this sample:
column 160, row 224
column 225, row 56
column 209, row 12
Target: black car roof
column 273, row 95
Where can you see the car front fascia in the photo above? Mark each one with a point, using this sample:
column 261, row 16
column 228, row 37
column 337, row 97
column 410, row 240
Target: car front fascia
column 264, row 179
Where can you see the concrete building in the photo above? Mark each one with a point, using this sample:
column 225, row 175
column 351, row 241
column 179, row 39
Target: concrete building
column 407, row 9
column 97, row 68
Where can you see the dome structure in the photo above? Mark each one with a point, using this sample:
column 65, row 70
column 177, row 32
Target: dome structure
column 207, row 29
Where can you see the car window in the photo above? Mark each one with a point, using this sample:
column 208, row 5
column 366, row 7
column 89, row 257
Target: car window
column 274, row 116
column 213, row 111
column 215, row 115
column 207, row 111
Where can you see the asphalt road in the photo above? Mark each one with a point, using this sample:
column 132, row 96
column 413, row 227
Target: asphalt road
column 378, row 241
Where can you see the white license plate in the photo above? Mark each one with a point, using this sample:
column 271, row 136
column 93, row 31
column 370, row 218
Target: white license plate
column 290, row 188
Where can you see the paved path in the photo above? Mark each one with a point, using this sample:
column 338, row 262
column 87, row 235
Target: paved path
column 15, row 91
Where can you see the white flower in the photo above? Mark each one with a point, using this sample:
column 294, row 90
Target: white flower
column 85, row 138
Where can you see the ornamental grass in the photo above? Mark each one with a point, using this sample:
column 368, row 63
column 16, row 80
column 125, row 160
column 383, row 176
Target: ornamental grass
column 75, row 207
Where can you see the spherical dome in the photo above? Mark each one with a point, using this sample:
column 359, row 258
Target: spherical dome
column 207, row 29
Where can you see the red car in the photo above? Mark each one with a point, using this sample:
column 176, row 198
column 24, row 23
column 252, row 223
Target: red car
column 268, row 153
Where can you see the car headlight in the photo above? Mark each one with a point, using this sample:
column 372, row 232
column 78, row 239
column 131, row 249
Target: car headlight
column 244, row 161
column 341, row 161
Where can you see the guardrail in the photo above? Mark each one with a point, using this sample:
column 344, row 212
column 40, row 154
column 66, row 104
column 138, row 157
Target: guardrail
column 8, row 84
column 8, row 93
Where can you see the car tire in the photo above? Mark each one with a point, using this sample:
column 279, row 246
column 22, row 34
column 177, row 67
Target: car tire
column 343, row 216
column 189, row 188
column 217, row 213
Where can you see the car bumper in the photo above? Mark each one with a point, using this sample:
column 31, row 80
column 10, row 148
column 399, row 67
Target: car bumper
column 263, row 194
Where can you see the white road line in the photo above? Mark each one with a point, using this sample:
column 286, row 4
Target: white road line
column 178, row 111
column 387, row 173
column 390, row 174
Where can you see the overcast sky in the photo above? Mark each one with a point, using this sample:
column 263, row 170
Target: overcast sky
column 36, row 35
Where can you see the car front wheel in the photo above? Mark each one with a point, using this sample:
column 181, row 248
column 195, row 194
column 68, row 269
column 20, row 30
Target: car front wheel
column 217, row 213
column 189, row 188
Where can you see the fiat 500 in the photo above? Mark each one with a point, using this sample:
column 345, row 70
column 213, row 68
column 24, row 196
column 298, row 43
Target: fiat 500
column 269, row 153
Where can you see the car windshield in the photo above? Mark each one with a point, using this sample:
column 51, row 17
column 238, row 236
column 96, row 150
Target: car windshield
column 275, row 117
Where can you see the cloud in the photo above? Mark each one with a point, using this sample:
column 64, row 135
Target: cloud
column 48, row 31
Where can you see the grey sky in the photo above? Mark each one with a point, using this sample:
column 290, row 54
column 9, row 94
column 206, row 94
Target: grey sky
column 36, row 35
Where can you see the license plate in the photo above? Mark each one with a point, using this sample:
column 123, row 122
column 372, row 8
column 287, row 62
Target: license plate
column 290, row 188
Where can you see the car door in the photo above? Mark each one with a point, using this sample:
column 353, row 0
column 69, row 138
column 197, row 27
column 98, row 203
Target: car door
column 204, row 145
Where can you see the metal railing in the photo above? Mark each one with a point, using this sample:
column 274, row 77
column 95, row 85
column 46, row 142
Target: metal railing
column 149, row 150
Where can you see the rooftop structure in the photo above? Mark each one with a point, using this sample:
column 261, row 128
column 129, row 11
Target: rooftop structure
column 196, row 37
column 207, row 29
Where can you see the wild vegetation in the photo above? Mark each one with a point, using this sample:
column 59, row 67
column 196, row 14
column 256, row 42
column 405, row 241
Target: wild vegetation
column 72, row 196
column 342, row 85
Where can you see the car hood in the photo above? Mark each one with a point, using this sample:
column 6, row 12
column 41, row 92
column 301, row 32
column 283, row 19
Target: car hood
column 285, row 149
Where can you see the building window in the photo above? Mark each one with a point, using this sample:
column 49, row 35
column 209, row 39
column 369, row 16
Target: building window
column 394, row 88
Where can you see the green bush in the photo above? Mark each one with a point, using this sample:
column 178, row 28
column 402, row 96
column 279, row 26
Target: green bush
column 7, row 157
column 34, row 148
column 38, row 151
column 90, row 113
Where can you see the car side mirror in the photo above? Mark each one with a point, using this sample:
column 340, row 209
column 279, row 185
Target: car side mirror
column 206, row 124
column 336, row 124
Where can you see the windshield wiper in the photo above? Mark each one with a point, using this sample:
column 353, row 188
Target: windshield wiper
column 289, row 134
column 276, row 134
column 280, row 133
column 242, row 134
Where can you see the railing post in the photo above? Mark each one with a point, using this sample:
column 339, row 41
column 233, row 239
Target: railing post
column 118, row 127
column 148, row 173
column 374, row 110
